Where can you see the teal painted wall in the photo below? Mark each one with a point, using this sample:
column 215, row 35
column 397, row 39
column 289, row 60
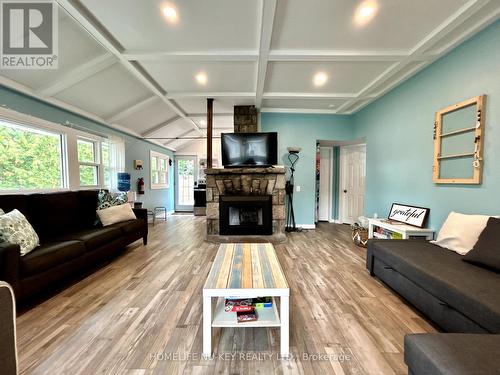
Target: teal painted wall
column 399, row 128
column 135, row 148
column 303, row 130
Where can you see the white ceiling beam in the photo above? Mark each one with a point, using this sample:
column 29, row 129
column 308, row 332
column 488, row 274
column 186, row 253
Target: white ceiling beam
column 464, row 12
column 332, row 55
column 214, row 94
column 219, row 56
column 197, row 115
column 187, row 143
column 487, row 20
column 87, row 20
column 79, row 74
column 178, row 137
column 308, row 95
column 160, row 126
column 70, row 108
column 132, row 109
column 298, row 110
column 266, row 32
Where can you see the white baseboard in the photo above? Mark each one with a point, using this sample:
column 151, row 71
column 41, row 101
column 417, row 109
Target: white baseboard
column 306, row 226
column 334, row 221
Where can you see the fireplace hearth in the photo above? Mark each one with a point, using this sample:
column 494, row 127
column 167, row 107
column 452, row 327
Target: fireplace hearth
column 245, row 215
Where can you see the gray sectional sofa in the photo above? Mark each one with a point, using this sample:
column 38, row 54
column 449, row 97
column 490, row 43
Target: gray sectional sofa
column 457, row 296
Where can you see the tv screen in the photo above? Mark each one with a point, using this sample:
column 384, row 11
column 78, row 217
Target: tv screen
column 249, row 149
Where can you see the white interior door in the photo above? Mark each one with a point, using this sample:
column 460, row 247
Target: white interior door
column 352, row 182
column 185, row 174
column 325, row 184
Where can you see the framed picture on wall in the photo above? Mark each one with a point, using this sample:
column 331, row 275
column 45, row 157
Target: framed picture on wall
column 411, row 215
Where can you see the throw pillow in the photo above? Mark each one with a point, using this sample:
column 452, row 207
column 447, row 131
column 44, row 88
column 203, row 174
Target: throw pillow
column 105, row 199
column 486, row 252
column 116, row 214
column 14, row 228
column 460, row 232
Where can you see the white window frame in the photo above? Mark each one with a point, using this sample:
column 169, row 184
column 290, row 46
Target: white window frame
column 97, row 163
column 69, row 150
column 159, row 156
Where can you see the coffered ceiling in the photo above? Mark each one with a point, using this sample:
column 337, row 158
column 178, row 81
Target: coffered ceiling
column 146, row 67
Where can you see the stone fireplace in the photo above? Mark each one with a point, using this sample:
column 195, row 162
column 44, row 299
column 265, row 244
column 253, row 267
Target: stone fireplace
column 246, row 202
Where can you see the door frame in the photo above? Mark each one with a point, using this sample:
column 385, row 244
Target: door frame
column 331, row 182
column 342, row 167
column 177, row 207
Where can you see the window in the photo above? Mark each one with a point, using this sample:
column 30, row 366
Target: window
column 159, row 170
column 30, row 158
column 37, row 155
column 88, row 160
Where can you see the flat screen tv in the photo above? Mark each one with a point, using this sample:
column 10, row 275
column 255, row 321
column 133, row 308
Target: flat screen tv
column 249, row 149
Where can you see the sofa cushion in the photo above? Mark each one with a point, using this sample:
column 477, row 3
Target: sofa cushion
column 130, row 226
column 467, row 288
column 87, row 205
column 50, row 255
column 54, row 213
column 486, row 251
column 452, row 354
column 93, row 238
column 10, row 202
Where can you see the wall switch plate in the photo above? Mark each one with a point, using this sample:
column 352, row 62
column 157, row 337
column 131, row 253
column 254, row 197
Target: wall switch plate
column 297, row 188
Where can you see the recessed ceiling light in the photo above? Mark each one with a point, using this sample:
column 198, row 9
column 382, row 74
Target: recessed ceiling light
column 203, row 122
column 320, row 79
column 201, row 78
column 331, row 105
column 170, row 13
column 365, row 12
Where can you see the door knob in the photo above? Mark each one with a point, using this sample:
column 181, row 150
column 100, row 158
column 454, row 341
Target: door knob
column 345, row 191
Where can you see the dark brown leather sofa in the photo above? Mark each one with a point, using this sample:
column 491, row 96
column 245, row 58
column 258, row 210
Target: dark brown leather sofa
column 70, row 242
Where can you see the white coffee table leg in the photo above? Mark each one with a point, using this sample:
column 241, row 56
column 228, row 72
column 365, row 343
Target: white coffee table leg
column 207, row 327
column 284, row 311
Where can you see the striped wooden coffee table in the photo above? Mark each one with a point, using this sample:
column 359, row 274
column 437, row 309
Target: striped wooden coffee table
column 245, row 270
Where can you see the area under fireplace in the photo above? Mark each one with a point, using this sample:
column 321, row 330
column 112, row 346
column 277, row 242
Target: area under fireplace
column 245, row 215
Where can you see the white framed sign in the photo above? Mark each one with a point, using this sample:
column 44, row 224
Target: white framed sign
column 411, row 215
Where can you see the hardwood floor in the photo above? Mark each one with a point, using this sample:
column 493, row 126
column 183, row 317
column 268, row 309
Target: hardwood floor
column 141, row 314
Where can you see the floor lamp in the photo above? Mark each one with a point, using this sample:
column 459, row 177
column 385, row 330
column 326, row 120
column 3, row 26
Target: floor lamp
column 293, row 158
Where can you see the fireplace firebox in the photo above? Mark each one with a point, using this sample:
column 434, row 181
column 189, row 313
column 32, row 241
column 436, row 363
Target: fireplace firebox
column 245, row 215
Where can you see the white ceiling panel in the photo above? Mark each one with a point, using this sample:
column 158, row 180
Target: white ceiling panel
column 106, row 92
column 225, row 122
column 221, row 76
column 330, row 25
column 321, row 104
column 75, row 48
column 221, row 105
column 174, row 129
column 154, row 114
column 343, row 77
column 178, row 142
column 200, row 26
